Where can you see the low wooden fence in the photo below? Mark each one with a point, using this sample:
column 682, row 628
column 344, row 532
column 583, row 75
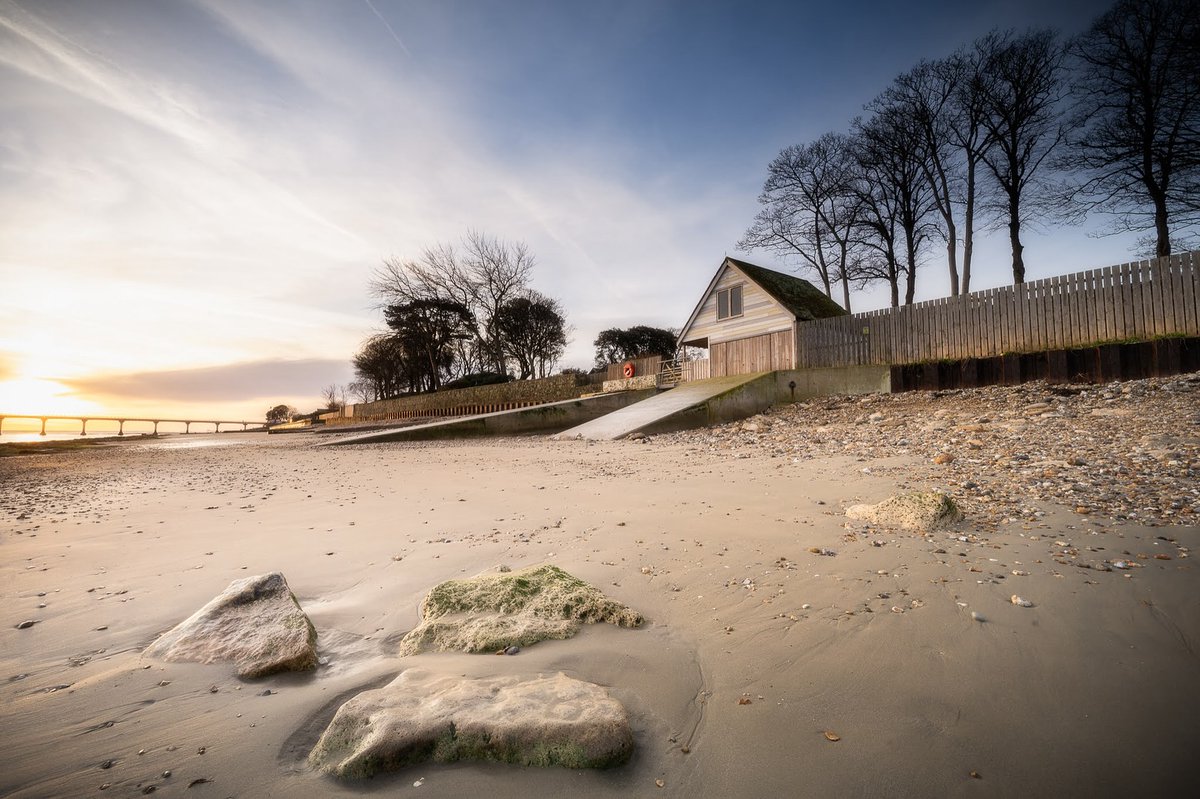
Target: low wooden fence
column 1139, row 300
column 641, row 366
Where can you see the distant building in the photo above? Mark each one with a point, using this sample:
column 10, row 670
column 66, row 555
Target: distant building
column 747, row 318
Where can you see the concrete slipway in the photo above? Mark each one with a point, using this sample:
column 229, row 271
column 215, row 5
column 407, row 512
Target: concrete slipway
column 725, row 399
column 546, row 418
column 612, row 416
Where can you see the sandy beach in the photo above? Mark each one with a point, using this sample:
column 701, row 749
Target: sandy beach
column 755, row 645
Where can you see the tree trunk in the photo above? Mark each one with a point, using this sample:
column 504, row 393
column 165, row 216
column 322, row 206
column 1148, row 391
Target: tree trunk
column 910, row 278
column 1014, row 237
column 969, row 232
column 952, row 255
column 1160, row 226
column 846, row 291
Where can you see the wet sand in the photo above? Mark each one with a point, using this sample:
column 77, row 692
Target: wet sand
column 755, row 646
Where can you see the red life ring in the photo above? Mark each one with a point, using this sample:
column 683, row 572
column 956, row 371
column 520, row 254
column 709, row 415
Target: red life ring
column 628, row 369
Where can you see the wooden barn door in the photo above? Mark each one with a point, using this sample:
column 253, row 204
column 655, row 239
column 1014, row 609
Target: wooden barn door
column 765, row 353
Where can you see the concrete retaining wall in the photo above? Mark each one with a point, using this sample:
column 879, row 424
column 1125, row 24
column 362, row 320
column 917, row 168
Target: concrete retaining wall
column 774, row 388
column 550, row 418
column 467, row 401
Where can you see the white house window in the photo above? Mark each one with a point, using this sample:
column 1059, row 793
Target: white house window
column 729, row 302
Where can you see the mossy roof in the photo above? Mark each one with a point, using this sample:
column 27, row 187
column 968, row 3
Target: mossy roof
column 802, row 299
column 796, row 294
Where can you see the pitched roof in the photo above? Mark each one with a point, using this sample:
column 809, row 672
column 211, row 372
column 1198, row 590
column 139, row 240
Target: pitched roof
column 801, row 298
column 796, row 294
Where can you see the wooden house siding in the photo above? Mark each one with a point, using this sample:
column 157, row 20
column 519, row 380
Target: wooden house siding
column 761, row 314
column 764, row 353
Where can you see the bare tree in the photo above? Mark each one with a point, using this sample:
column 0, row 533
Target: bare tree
column 333, row 397
column 1021, row 93
column 810, row 210
column 943, row 100
column 896, row 196
column 1136, row 121
column 361, row 390
column 481, row 273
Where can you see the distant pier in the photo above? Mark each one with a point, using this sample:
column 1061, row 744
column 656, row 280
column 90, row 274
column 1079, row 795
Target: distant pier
column 83, row 420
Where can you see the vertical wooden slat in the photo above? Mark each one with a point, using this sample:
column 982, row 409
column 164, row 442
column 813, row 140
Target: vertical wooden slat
column 1191, row 293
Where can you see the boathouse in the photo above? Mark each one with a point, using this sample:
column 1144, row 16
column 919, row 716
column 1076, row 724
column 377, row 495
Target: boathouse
column 747, row 318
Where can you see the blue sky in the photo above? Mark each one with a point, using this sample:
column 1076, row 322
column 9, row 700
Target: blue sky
column 196, row 192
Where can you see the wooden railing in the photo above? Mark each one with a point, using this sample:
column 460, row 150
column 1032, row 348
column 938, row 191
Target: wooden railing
column 1139, row 300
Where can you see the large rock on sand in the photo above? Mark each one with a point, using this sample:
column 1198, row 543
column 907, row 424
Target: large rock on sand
column 919, row 510
column 256, row 622
column 492, row 612
column 545, row 721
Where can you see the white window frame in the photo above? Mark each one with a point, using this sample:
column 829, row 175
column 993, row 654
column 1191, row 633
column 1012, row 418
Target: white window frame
column 727, row 294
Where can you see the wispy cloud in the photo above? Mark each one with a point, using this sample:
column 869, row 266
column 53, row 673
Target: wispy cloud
column 255, row 380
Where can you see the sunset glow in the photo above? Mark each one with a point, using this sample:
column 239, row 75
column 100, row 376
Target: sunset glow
column 195, row 193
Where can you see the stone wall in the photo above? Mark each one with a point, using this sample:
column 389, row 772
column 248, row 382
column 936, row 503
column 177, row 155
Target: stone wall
column 467, row 401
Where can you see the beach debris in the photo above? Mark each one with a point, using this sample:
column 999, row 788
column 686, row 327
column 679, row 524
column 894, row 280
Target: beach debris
column 976, row 775
column 419, row 716
column 977, row 616
column 918, row 510
column 830, row 735
column 256, row 622
column 25, row 625
column 829, row 553
column 107, row 764
column 493, row 612
column 1024, row 603
column 199, row 781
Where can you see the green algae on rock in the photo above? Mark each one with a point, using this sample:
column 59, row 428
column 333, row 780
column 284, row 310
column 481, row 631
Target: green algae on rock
column 918, row 510
column 420, row 716
column 494, row 611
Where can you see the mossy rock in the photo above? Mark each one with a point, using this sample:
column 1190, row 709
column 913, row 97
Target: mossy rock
column 494, row 611
column 918, row 510
column 420, row 717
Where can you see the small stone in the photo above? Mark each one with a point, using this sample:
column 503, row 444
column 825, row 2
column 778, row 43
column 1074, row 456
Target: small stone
column 25, row 625
column 166, row 774
column 107, row 764
column 977, row 616
column 265, row 692
column 1024, row 603
column 943, row 457
column 659, row 783
column 512, row 650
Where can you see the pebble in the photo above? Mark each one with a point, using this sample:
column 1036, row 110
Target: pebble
column 25, row 625
column 1024, row 603
column 512, row 650
column 1142, row 466
column 977, row 616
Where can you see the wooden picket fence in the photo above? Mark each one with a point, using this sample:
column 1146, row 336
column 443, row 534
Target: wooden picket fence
column 1138, row 300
